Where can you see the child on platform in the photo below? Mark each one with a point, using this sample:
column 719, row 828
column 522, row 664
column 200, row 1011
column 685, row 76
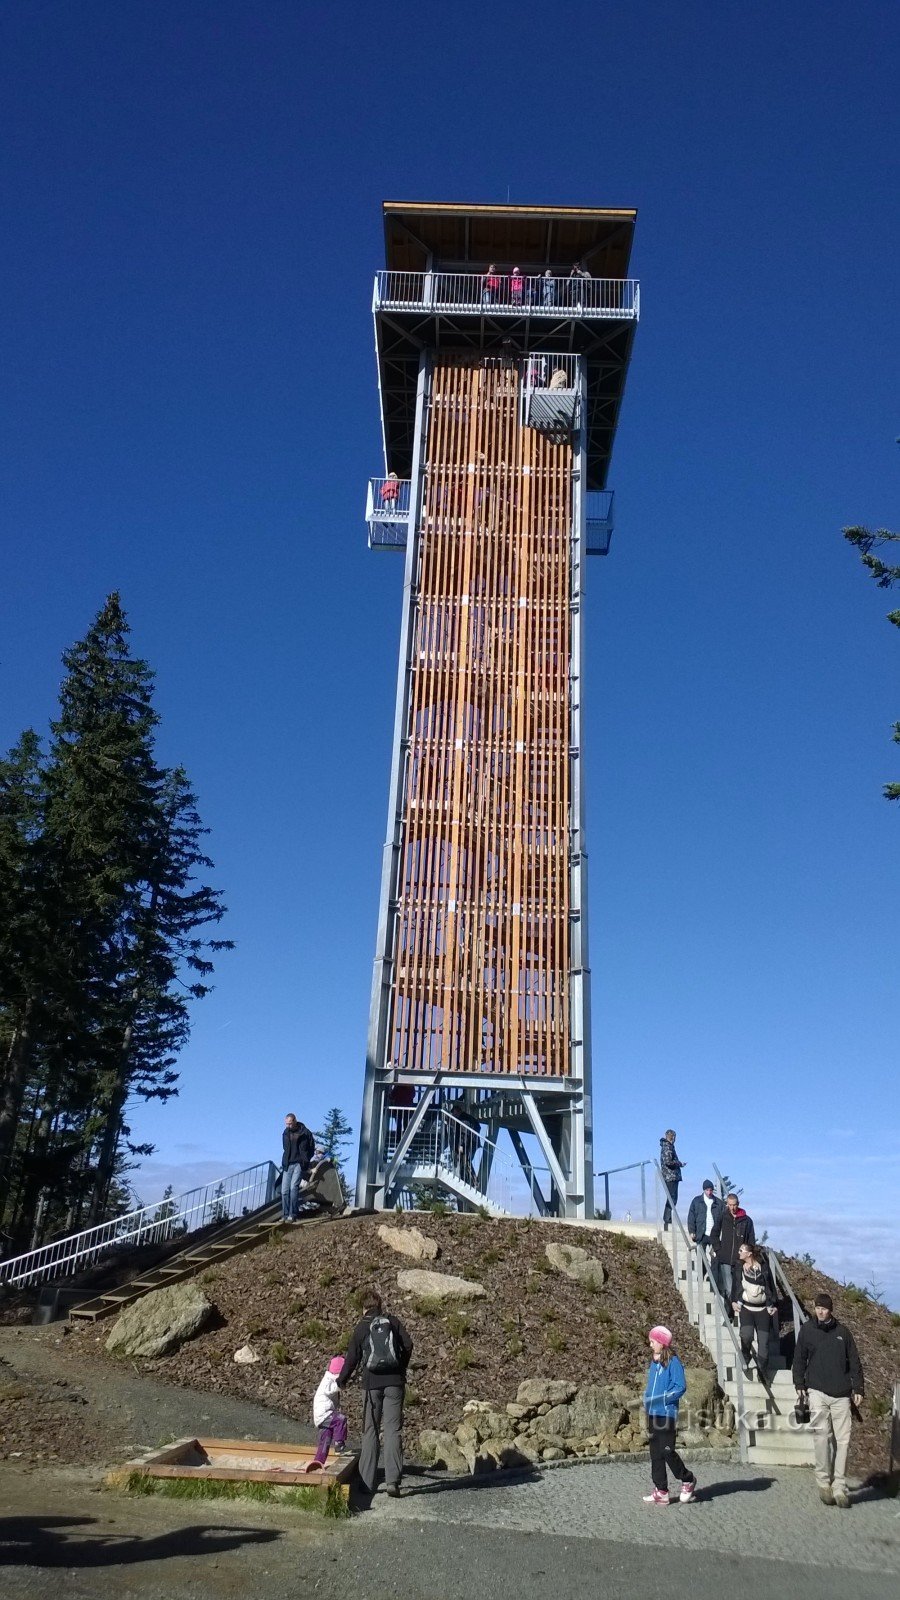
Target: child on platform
column 331, row 1423
column 666, row 1383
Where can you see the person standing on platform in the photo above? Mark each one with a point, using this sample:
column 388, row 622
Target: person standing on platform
column 381, row 1346
column 670, row 1167
column 827, row 1370
column 297, row 1149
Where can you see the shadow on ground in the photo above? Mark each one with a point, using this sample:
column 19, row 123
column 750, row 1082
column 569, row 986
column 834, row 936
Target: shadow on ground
column 60, row 1542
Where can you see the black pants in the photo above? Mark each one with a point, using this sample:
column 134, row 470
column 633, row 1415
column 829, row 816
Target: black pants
column 663, row 1453
column 760, row 1323
column 672, row 1187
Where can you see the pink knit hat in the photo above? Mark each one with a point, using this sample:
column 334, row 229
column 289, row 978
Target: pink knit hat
column 336, row 1364
column 660, row 1335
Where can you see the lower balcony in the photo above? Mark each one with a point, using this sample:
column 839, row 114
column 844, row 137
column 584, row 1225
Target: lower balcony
column 387, row 512
column 598, row 521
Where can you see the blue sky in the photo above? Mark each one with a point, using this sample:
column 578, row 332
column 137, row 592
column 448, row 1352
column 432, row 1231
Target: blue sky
column 191, row 199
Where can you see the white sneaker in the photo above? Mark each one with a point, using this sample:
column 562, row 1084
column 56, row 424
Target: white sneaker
column 688, row 1491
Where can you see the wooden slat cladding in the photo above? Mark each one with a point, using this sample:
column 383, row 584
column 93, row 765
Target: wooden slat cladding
column 481, row 958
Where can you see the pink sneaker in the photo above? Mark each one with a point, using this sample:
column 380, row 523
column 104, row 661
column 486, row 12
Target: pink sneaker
column 659, row 1497
column 688, row 1491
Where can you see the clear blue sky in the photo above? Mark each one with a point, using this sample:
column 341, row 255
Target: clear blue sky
column 191, row 220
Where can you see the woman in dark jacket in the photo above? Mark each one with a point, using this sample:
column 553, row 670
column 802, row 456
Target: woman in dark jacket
column 757, row 1306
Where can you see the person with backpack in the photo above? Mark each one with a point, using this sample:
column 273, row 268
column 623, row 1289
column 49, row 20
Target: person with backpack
column 297, row 1150
column 381, row 1347
column 666, row 1383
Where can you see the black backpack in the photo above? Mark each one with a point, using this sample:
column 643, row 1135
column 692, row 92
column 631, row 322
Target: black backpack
column 381, row 1347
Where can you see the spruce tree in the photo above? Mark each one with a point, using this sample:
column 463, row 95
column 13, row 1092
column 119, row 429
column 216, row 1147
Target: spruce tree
column 886, row 576
column 100, row 850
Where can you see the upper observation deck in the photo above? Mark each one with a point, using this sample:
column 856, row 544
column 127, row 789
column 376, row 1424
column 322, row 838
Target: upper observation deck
column 505, row 280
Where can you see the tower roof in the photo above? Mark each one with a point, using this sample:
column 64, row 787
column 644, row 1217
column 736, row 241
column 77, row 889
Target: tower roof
column 455, row 235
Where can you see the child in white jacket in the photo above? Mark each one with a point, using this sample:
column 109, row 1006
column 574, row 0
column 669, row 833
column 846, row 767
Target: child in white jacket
column 331, row 1423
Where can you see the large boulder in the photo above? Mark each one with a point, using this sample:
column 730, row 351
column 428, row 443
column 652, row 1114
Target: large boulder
column 439, row 1285
column 159, row 1322
column 533, row 1392
column 597, row 1410
column 702, row 1398
column 409, row 1242
column 440, row 1449
column 575, row 1263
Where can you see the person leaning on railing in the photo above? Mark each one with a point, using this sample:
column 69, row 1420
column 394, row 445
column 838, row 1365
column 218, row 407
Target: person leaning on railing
column 390, row 492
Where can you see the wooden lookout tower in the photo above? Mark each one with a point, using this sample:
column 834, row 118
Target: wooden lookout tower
column 501, row 372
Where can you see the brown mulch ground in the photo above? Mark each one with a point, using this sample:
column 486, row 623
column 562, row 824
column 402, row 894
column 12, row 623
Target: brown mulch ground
column 294, row 1301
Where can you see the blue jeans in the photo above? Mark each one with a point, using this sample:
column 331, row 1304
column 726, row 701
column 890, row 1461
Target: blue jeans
column 290, row 1190
column 725, row 1278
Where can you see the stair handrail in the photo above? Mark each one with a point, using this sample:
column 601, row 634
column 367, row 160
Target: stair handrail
column 692, row 1251
column 781, row 1277
column 64, row 1256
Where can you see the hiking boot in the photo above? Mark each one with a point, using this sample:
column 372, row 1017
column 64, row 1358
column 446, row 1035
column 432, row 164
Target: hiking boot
column 688, row 1490
column 659, row 1497
column 393, row 1489
column 826, row 1496
column 842, row 1499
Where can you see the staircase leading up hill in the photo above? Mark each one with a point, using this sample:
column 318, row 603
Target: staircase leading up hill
column 768, row 1434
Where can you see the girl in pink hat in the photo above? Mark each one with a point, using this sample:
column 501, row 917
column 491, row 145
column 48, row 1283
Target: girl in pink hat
column 330, row 1421
column 666, row 1383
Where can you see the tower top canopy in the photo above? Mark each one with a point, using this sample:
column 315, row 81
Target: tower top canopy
column 451, row 237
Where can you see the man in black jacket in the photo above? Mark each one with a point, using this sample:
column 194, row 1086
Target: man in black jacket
column 827, row 1368
column 733, row 1229
column 297, row 1150
column 381, row 1345
column 705, row 1211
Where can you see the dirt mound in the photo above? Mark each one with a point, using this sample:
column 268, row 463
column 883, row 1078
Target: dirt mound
column 295, row 1301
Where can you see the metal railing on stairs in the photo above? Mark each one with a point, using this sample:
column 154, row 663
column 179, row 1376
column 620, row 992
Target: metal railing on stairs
column 449, row 1150
column 213, row 1203
column 692, row 1261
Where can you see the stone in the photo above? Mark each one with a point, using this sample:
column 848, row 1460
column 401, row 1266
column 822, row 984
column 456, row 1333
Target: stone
column 575, row 1263
column 534, row 1392
column 555, row 1421
column 517, row 1412
column 591, row 1274
column 477, row 1405
column 160, row 1321
column 552, row 1453
column 246, row 1356
column 701, row 1400
column 409, row 1242
column 596, row 1410
column 441, row 1450
column 526, row 1447
column 439, row 1286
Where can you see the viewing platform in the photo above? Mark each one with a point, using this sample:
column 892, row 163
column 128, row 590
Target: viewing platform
column 501, row 292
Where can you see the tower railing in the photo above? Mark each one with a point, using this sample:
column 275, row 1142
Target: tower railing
column 538, row 296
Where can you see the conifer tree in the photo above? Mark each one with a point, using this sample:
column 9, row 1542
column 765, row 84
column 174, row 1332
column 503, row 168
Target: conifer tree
column 886, row 576
column 100, row 848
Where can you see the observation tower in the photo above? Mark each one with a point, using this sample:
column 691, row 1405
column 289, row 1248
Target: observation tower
column 500, row 378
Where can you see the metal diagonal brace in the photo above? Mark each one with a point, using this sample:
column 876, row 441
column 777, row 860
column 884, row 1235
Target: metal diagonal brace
column 415, row 1123
column 534, row 1117
column 540, row 1200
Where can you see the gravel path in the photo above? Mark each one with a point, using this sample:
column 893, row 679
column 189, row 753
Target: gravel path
column 741, row 1511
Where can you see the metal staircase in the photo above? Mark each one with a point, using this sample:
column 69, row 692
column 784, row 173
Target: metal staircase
column 768, row 1434
column 442, row 1153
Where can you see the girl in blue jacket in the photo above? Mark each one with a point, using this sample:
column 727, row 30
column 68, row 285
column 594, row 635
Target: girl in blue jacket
column 665, row 1385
